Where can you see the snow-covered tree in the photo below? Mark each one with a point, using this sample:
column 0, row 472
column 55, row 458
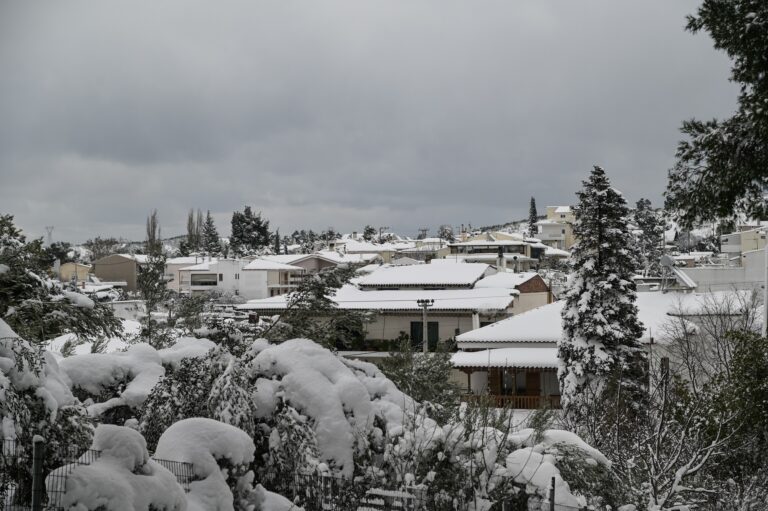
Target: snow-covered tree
column 722, row 166
column 180, row 394
column 250, row 232
column 35, row 400
column 601, row 329
column 533, row 217
column 211, row 243
column 151, row 282
column 37, row 307
column 650, row 238
column 369, row 232
column 445, row 232
column 230, row 401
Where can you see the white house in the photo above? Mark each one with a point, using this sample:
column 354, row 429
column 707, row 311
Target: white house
column 253, row 279
column 516, row 359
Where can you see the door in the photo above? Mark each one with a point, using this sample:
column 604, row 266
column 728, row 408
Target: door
column 533, row 383
column 417, row 334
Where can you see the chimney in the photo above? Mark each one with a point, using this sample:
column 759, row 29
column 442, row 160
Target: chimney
column 501, row 264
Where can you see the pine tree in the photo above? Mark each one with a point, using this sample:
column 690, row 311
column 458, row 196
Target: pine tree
column 211, row 242
column 722, row 167
column 601, row 329
column 650, row 237
column 39, row 308
column 250, row 233
column 533, row 217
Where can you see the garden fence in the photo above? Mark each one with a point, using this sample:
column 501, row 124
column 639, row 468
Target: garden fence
column 36, row 481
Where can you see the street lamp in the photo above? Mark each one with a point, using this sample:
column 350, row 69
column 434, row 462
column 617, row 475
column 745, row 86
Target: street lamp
column 424, row 304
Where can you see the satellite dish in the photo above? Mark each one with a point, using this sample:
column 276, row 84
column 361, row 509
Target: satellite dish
column 667, row 261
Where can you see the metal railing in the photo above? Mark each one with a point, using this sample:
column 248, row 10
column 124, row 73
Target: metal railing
column 516, row 401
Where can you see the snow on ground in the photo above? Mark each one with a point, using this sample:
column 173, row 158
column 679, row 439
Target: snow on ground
column 123, row 478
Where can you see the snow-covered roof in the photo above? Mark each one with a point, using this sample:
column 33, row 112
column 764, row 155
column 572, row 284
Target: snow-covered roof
column 187, row 260
column 425, row 275
column 203, row 266
column 264, row 264
column 507, row 357
column 491, row 243
column 563, row 209
column 355, row 246
column 295, row 258
column 139, row 258
column 556, row 252
column 340, row 258
column 505, row 280
column 350, row 297
column 544, row 324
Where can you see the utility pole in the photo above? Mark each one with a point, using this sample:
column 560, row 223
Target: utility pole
column 424, row 304
column 765, row 289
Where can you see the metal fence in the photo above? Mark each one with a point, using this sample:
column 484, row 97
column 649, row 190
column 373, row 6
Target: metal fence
column 28, row 483
column 318, row 492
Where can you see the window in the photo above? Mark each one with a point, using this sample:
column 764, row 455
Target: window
column 203, row 279
column 563, row 231
column 221, row 277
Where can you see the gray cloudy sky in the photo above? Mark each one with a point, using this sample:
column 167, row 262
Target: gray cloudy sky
column 338, row 113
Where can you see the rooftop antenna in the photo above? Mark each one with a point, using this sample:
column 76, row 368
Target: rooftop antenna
column 49, row 230
column 666, row 262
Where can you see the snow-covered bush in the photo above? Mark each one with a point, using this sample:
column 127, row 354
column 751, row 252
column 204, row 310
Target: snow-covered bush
column 220, row 455
column 122, row 478
column 115, row 385
column 210, row 384
column 35, row 399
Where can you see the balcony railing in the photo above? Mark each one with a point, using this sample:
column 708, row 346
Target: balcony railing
column 518, row 402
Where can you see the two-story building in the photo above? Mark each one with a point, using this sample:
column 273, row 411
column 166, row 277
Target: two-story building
column 464, row 296
column 557, row 229
column 254, row 279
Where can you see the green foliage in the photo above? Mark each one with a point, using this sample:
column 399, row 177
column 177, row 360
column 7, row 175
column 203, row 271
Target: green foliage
column 189, row 310
column 722, row 166
column 35, row 306
column 426, row 377
column 651, row 237
column 311, row 312
column 211, row 242
column 151, row 284
column 533, row 217
column 25, row 410
column 101, row 247
column 182, row 393
column 369, row 232
column 250, row 233
column 602, row 332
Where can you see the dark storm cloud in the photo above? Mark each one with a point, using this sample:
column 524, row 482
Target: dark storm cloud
column 338, row 113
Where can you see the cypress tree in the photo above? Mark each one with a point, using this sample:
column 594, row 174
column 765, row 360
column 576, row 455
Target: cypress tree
column 533, row 217
column 601, row 329
column 649, row 237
